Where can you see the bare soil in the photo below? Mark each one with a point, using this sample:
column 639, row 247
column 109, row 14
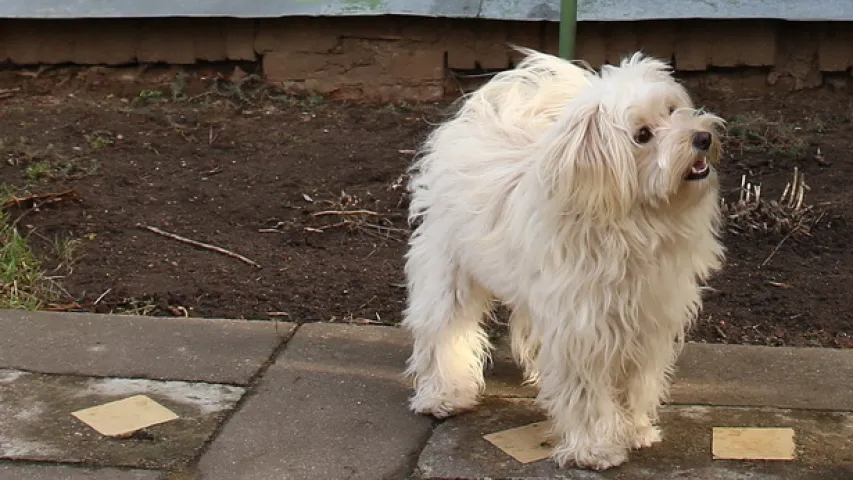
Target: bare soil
column 262, row 175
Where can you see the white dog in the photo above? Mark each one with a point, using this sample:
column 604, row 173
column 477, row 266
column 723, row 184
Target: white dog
column 588, row 204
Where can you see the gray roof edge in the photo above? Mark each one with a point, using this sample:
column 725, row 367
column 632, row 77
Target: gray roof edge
column 517, row 10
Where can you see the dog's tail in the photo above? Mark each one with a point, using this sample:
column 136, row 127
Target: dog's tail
column 506, row 114
column 534, row 61
column 533, row 93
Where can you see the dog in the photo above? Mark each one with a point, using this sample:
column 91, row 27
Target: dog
column 588, row 204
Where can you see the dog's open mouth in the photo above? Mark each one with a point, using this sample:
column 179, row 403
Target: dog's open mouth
column 699, row 170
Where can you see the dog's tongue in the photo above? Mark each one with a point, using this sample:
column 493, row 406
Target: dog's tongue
column 700, row 166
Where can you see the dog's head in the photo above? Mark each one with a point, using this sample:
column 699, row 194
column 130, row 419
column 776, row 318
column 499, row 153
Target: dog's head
column 631, row 138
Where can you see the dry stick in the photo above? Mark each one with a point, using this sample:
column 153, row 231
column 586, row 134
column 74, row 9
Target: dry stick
column 345, row 212
column 17, row 201
column 778, row 246
column 21, row 216
column 326, row 227
column 199, row 244
column 63, row 308
column 101, row 297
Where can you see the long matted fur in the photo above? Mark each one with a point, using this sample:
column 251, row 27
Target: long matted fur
column 586, row 202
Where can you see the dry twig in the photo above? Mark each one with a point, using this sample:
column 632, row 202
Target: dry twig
column 196, row 243
column 32, row 201
column 8, row 92
column 350, row 216
column 178, row 311
column 345, row 212
column 776, row 248
column 62, row 308
column 101, row 296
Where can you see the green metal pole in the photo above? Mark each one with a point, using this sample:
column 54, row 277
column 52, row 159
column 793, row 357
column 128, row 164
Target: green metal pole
column 568, row 28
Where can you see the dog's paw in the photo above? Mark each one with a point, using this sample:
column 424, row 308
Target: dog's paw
column 645, row 437
column 441, row 407
column 595, row 458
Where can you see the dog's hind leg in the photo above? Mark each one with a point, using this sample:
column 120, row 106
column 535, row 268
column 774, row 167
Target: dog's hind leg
column 444, row 313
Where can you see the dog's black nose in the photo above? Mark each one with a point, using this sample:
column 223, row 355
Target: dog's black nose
column 702, row 141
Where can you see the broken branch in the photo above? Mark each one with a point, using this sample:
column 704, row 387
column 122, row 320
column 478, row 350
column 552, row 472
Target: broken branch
column 196, row 243
column 39, row 197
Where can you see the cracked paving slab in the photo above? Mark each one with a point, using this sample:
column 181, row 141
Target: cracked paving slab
column 36, row 422
column 824, row 441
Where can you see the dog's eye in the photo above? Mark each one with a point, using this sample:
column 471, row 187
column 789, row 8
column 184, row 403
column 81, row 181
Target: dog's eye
column 671, row 110
column 643, row 135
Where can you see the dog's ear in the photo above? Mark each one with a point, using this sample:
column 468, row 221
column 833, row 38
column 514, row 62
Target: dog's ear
column 588, row 164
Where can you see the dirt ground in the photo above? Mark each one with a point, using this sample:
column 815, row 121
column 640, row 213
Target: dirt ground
column 262, row 175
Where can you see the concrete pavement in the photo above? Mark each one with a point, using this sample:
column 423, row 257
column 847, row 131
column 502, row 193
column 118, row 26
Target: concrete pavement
column 266, row 400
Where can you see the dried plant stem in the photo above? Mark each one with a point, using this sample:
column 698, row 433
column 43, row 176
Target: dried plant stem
column 776, row 248
column 345, row 212
column 41, row 197
column 196, row 243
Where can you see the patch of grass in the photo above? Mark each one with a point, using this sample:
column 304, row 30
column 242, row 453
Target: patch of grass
column 135, row 306
column 45, row 162
column 39, row 170
column 179, row 87
column 67, row 252
column 77, row 167
column 313, row 101
column 250, row 89
column 22, row 151
column 43, row 170
column 240, row 90
column 149, row 96
column 100, row 139
column 753, row 132
column 22, row 281
column 396, row 108
column 306, row 103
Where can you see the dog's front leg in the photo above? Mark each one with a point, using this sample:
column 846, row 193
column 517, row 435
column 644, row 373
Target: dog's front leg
column 577, row 393
column 646, row 385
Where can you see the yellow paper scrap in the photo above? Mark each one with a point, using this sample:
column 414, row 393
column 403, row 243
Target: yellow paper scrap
column 526, row 444
column 123, row 417
column 753, row 443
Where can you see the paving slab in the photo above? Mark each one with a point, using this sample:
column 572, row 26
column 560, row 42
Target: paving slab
column 332, row 406
column 503, row 377
column 734, row 375
column 18, row 471
column 217, row 351
column 36, row 422
column 747, row 375
column 824, row 446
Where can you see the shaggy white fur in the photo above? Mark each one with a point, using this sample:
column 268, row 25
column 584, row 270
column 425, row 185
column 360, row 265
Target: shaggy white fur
column 588, row 204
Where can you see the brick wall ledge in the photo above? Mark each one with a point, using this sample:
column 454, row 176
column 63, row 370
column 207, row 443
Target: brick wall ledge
column 392, row 58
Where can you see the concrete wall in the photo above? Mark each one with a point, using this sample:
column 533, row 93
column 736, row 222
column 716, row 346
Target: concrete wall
column 408, row 58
